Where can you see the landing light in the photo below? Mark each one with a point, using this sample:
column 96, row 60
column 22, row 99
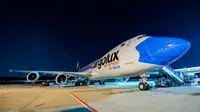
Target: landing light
column 170, row 45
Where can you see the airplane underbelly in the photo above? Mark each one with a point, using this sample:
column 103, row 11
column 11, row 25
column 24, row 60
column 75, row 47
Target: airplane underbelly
column 137, row 69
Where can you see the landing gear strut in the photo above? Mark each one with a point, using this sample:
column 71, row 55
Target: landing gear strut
column 80, row 83
column 143, row 85
column 101, row 83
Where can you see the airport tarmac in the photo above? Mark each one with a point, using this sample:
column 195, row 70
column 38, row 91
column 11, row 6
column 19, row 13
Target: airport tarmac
column 174, row 99
column 31, row 99
column 102, row 99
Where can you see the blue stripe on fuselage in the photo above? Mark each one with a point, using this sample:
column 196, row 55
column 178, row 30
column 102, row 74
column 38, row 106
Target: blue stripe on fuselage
column 85, row 68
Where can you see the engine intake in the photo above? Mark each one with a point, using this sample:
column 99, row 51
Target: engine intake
column 32, row 77
column 61, row 79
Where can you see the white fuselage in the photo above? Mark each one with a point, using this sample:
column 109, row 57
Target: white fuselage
column 125, row 62
column 136, row 56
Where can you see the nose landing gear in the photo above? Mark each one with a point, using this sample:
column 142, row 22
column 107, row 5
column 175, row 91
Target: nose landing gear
column 143, row 85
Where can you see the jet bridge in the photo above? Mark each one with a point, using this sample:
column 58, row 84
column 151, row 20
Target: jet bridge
column 168, row 70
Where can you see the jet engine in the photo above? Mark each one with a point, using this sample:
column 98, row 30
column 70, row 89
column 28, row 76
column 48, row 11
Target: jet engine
column 122, row 79
column 32, row 76
column 61, row 79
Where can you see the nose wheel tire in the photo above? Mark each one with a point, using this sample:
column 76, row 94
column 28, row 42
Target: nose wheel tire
column 143, row 86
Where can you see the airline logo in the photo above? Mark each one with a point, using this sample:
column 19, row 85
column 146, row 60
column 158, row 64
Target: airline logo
column 114, row 67
column 108, row 60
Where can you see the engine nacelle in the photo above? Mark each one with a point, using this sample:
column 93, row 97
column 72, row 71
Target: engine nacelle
column 32, row 76
column 122, row 79
column 61, row 79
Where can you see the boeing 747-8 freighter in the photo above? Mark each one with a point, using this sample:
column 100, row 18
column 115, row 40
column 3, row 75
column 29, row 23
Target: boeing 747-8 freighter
column 134, row 57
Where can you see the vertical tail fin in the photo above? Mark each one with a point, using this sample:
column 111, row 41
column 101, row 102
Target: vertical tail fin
column 77, row 66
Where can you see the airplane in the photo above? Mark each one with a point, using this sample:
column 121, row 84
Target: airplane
column 134, row 57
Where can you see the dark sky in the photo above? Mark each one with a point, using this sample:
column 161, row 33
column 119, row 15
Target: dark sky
column 53, row 35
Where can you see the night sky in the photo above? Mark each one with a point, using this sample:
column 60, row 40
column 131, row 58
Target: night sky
column 53, row 35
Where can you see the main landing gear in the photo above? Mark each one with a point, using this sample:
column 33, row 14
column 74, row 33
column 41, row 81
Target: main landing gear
column 143, row 85
column 100, row 82
column 86, row 82
column 80, row 83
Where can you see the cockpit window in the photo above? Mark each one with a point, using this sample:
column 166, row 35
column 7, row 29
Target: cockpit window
column 140, row 37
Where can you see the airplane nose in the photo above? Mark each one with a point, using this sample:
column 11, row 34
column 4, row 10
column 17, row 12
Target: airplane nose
column 162, row 50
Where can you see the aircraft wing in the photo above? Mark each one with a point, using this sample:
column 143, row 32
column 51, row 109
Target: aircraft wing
column 81, row 74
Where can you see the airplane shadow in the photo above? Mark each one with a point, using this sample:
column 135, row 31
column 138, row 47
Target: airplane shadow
column 80, row 109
